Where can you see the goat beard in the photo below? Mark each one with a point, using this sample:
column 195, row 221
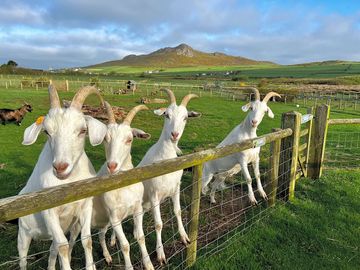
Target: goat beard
column 177, row 149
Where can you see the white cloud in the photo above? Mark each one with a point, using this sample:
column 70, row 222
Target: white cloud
column 77, row 33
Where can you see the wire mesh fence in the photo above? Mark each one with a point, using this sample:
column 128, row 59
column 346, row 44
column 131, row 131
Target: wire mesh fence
column 343, row 147
column 219, row 223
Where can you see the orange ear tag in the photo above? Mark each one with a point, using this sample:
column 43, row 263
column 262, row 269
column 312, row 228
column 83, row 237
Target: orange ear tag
column 40, row 120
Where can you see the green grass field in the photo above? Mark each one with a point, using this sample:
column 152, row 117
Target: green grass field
column 318, row 230
column 219, row 116
column 315, row 70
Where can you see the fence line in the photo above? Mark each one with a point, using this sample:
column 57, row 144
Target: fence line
column 296, row 150
column 25, row 204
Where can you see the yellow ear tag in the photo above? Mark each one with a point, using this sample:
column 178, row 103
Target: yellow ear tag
column 40, row 120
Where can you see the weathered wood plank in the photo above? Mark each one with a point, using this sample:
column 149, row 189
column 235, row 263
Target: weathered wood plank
column 304, row 132
column 289, row 155
column 194, row 215
column 344, row 121
column 25, row 204
column 318, row 141
column 274, row 169
column 303, row 147
column 309, row 127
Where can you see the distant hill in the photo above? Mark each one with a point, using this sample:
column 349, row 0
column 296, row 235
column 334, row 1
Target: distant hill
column 327, row 63
column 180, row 56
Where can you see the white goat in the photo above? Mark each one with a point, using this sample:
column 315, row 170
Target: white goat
column 121, row 203
column 62, row 161
column 159, row 188
column 224, row 167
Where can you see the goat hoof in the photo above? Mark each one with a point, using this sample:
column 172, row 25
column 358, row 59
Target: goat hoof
column 254, row 202
column 108, row 260
column 263, row 194
column 212, row 200
column 161, row 259
column 185, row 240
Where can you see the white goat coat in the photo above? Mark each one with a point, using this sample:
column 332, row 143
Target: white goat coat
column 162, row 186
column 125, row 198
column 229, row 165
column 43, row 177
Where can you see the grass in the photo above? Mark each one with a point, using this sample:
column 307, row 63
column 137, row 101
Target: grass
column 315, row 70
column 219, row 117
column 318, row 230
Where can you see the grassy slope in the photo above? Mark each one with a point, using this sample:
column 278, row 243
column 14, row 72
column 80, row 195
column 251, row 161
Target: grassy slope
column 318, row 230
column 316, row 70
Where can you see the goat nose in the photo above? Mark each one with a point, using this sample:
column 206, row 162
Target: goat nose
column 112, row 166
column 60, row 167
column 174, row 134
column 254, row 122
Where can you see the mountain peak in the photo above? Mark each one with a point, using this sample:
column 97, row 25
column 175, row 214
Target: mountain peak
column 185, row 50
column 180, row 56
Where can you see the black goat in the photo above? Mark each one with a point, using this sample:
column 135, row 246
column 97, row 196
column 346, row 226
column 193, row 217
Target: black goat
column 8, row 115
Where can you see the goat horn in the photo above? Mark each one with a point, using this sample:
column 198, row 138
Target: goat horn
column 255, row 91
column 130, row 116
column 110, row 113
column 170, row 94
column 54, row 97
column 187, row 98
column 270, row 95
column 82, row 94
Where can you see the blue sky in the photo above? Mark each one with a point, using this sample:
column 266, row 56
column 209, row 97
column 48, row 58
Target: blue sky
column 66, row 33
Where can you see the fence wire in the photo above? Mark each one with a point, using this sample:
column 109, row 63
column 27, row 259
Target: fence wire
column 343, row 147
column 219, row 223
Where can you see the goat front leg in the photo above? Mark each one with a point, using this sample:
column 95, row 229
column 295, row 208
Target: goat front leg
column 177, row 211
column 60, row 241
column 256, row 169
column 23, row 244
column 52, row 257
column 158, row 228
column 74, row 233
column 102, row 240
column 246, row 174
column 215, row 186
column 116, row 217
column 139, row 236
column 86, row 241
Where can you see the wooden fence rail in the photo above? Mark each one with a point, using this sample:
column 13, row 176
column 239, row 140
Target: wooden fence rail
column 25, row 204
column 287, row 153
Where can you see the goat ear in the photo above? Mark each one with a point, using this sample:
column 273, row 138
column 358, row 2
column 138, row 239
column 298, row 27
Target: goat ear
column 193, row 114
column 160, row 111
column 96, row 130
column 138, row 133
column 31, row 133
column 246, row 107
column 270, row 113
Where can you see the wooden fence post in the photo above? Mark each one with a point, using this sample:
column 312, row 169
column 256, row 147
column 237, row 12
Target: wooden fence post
column 194, row 215
column 308, row 140
column 289, row 155
column 274, row 169
column 67, row 85
column 318, row 141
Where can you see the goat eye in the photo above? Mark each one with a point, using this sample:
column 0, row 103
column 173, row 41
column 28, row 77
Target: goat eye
column 46, row 132
column 167, row 116
column 129, row 140
column 82, row 131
